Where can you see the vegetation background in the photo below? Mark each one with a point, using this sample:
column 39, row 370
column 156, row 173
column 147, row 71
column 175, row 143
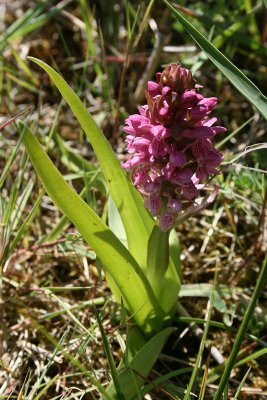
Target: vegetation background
column 51, row 346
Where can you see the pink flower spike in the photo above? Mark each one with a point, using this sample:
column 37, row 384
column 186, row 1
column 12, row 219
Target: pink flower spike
column 198, row 112
column 141, row 144
column 199, row 132
column 160, row 131
column 172, row 155
column 197, row 207
column 189, row 98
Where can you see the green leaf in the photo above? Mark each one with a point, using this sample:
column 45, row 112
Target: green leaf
column 115, row 222
column 171, row 282
column 111, row 362
column 235, row 76
column 77, row 163
column 157, row 258
column 119, row 264
column 175, row 251
column 137, row 222
column 230, row 363
column 133, row 375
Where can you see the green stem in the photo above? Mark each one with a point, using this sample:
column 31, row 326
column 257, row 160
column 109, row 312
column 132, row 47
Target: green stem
column 241, row 332
column 157, row 258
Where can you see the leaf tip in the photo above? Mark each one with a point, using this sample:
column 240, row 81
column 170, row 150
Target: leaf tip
column 34, row 59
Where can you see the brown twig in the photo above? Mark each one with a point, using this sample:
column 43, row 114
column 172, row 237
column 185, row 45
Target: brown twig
column 16, row 116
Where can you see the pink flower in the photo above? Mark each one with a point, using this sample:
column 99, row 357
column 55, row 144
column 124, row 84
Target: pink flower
column 170, row 145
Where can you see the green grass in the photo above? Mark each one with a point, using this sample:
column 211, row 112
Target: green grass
column 62, row 332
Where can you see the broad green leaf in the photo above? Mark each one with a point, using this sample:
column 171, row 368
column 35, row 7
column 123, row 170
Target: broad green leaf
column 170, row 286
column 115, row 222
column 119, row 264
column 163, row 267
column 75, row 162
column 136, row 220
column 235, row 76
column 133, row 375
column 171, row 282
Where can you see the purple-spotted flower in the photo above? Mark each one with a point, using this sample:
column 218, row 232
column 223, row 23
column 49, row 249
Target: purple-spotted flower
column 170, row 145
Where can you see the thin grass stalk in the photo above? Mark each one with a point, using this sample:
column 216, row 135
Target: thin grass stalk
column 73, row 360
column 202, row 343
column 110, row 359
column 219, row 325
column 235, row 75
column 232, row 134
column 46, row 368
column 45, row 389
column 242, row 330
column 128, row 53
column 241, row 384
column 204, row 380
column 25, row 225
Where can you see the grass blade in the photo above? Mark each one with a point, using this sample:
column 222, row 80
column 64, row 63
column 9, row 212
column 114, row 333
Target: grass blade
column 73, row 360
column 235, row 76
column 112, row 367
column 241, row 384
column 242, row 330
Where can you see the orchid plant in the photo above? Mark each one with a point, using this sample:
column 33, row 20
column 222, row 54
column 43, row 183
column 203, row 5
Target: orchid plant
column 171, row 158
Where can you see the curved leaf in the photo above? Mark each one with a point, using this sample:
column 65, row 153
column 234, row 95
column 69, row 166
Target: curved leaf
column 116, row 259
column 235, row 76
column 136, row 220
column 133, row 375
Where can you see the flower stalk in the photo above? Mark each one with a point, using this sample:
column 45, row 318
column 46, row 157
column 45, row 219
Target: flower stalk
column 158, row 258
